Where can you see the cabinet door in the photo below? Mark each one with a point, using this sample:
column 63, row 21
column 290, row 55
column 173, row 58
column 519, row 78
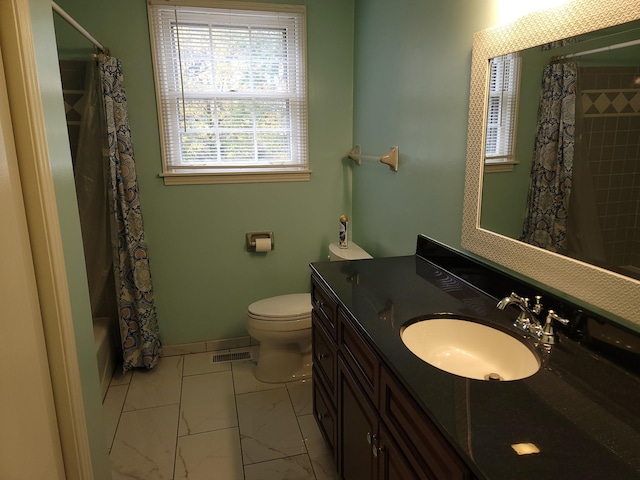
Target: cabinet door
column 392, row 464
column 324, row 356
column 424, row 445
column 324, row 413
column 358, row 429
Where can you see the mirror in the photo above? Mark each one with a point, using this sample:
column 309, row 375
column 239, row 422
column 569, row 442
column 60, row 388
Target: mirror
column 605, row 290
column 602, row 219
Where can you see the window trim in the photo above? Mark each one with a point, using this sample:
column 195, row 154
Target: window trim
column 188, row 175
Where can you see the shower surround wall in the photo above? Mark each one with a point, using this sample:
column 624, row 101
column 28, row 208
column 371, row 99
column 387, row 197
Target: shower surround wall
column 73, row 75
column 611, row 109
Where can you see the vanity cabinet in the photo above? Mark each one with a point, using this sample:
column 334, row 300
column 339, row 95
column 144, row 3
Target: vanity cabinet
column 372, row 425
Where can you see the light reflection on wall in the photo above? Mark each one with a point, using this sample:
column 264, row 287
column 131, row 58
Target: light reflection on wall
column 510, row 10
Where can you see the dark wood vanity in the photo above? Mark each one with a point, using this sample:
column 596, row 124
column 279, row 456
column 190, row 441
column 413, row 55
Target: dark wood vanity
column 372, row 425
column 385, row 414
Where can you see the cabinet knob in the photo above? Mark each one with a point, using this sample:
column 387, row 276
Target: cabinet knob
column 320, row 416
column 369, row 438
column 377, row 451
column 321, row 356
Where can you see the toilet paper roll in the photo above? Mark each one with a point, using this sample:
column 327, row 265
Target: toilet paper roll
column 263, row 244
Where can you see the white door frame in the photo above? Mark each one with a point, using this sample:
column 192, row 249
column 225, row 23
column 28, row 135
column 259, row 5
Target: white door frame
column 27, row 118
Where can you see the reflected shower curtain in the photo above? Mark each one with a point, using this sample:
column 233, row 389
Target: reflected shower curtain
column 137, row 313
column 545, row 222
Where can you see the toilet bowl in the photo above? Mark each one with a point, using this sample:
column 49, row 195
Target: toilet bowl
column 282, row 325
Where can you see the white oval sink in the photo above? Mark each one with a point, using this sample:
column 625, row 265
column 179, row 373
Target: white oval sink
column 470, row 349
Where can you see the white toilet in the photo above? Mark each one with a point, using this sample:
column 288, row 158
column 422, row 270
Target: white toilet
column 282, row 325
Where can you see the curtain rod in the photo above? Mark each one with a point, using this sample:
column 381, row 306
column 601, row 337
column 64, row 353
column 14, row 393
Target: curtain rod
column 616, row 46
column 58, row 9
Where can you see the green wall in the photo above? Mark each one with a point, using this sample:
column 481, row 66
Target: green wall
column 411, row 89
column 203, row 277
column 58, row 145
column 401, row 79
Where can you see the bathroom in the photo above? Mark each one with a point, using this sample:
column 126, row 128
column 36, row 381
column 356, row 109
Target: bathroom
column 380, row 74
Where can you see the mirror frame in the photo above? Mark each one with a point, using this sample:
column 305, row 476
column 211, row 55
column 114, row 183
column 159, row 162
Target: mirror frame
column 599, row 288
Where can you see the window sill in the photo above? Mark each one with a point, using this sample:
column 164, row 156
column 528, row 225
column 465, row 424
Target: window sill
column 207, row 178
column 498, row 167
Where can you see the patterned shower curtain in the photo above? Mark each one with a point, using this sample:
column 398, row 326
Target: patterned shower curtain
column 137, row 313
column 545, row 222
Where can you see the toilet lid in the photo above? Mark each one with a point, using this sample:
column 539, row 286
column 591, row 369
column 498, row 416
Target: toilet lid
column 289, row 307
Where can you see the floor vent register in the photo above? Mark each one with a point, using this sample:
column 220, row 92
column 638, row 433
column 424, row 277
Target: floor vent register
column 231, row 357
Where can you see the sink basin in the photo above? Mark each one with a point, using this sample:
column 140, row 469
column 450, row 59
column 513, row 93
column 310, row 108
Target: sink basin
column 470, row 349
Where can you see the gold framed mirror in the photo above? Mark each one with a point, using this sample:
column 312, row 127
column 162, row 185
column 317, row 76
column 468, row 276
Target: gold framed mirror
column 604, row 290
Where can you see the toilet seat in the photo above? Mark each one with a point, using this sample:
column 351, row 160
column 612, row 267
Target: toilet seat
column 283, row 308
column 284, row 313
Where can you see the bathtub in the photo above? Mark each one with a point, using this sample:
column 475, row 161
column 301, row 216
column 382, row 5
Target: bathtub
column 103, row 328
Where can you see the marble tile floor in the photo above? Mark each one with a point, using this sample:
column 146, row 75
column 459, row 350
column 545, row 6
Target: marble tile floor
column 191, row 419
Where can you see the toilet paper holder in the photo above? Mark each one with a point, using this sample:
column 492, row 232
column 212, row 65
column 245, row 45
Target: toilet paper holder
column 253, row 236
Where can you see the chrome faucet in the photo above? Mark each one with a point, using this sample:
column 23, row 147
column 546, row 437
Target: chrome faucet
column 527, row 320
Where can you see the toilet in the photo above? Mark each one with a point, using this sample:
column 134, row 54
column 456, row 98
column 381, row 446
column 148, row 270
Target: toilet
column 282, row 325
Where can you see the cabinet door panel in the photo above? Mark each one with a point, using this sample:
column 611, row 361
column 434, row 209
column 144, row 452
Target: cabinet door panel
column 358, row 428
column 325, row 307
column 324, row 356
column 359, row 356
column 392, row 464
column 416, row 434
column 324, row 413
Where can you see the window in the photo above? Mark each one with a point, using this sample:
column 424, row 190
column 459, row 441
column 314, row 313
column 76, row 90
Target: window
column 231, row 91
column 504, row 80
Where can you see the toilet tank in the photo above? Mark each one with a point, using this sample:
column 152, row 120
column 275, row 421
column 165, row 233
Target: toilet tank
column 353, row 252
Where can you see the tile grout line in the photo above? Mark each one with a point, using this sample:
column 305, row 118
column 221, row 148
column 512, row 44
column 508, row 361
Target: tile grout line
column 175, row 455
column 124, row 401
column 306, row 447
column 235, row 402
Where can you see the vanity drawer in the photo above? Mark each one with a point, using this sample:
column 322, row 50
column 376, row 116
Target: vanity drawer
column 324, row 413
column 416, row 435
column 325, row 306
column 359, row 356
column 324, row 355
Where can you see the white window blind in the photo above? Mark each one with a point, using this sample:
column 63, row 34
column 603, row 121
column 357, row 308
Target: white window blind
column 501, row 111
column 231, row 88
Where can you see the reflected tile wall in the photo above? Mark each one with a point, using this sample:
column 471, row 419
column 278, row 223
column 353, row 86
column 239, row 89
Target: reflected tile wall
column 611, row 137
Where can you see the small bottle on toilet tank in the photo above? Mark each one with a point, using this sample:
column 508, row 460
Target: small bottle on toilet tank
column 344, row 235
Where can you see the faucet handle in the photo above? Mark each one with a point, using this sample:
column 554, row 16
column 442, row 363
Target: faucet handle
column 537, row 308
column 547, row 335
column 551, row 315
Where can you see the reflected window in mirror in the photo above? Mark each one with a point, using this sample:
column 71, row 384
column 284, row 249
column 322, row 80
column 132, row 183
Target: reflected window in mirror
column 504, row 82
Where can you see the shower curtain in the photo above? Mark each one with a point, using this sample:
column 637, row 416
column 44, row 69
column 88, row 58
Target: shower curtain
column 545, row 222
column 137, row 313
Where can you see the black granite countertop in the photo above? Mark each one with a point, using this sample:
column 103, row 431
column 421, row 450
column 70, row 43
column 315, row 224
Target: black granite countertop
column 580, row 409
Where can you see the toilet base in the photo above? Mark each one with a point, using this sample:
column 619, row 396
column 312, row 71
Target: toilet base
column 278, row 363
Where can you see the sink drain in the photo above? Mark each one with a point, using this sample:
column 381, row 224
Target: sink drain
column 493, row 377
